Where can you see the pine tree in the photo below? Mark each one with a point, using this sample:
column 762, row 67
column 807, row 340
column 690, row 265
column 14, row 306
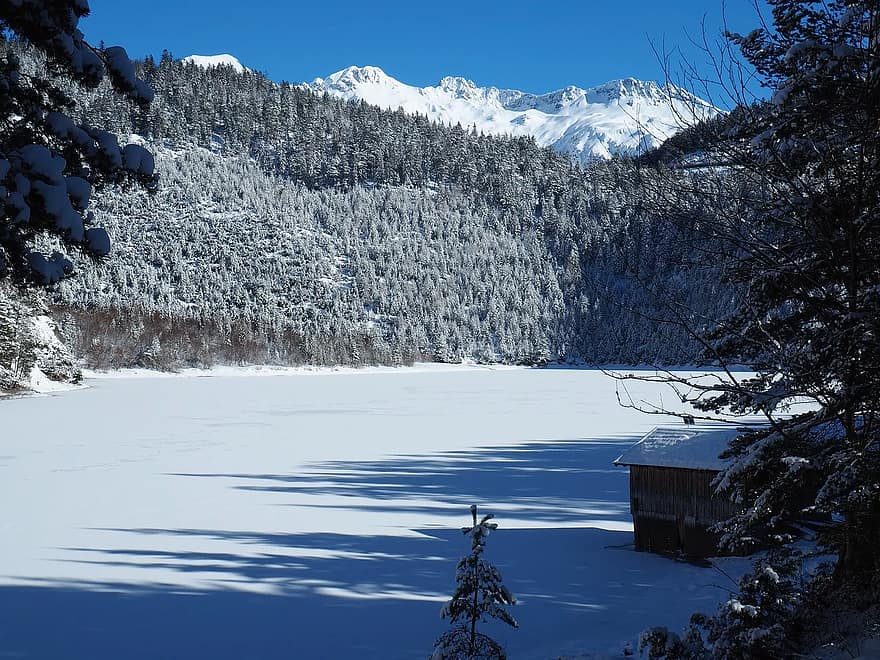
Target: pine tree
column 761, row 621
column 809, row 325
column 49, row 163
column 796, row 213
column 19, row 345
column 479, row 594
column 9, row 342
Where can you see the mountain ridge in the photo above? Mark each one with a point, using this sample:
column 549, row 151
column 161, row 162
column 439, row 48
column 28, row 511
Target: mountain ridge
column 620, row 117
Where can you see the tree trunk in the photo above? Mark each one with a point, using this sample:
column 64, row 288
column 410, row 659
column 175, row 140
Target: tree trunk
column 473, row 644
column 859, row 561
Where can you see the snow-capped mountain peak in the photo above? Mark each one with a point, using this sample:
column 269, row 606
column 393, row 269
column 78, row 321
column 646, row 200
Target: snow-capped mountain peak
column 627, row 88
column 458, row 86
column 354, row 77
column 625, row 116
column 208, row 61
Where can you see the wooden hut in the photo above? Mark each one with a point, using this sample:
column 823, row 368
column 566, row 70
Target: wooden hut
column 672, row 500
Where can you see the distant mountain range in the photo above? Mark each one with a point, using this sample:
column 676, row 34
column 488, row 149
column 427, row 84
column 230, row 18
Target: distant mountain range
column 621, row 117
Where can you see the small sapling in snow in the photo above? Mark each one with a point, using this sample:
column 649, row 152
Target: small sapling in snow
column 479, row 594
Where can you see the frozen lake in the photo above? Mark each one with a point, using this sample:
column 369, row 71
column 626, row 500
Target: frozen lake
column 317, row 515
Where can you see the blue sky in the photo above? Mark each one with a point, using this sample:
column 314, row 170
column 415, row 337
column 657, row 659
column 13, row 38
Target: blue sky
column 532, row 46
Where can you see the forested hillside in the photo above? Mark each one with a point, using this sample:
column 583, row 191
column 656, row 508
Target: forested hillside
column 30, row 352
column 291, row 227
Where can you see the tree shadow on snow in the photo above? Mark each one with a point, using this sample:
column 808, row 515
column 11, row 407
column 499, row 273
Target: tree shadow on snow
column 326, row 595
column 551, row 482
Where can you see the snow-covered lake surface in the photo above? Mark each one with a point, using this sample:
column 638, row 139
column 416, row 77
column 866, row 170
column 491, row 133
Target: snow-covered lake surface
column 316, row 515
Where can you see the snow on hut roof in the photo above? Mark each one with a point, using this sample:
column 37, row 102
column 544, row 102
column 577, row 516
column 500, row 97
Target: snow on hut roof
column 693, row 448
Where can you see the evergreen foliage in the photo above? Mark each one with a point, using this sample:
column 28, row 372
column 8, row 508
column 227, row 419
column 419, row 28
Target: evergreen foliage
column 49, row 163
column 796, row 235
column 10, row 344
column 809, row 260
column 794, row 224
column 781, row 609
column 28, row 340
column 479, row 595
column 797, row 213
column 762, row 620
column 295, row 227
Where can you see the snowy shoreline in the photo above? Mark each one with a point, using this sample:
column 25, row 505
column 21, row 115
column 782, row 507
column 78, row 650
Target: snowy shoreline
column 40, row 385
column 263, row 370
column 304, row 370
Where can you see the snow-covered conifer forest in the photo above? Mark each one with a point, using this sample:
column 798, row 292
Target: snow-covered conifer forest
column 290, row 227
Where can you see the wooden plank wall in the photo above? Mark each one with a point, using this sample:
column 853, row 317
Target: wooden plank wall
column 673, row 507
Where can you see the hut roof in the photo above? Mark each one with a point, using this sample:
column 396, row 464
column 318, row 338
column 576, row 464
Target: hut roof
column 693, row 448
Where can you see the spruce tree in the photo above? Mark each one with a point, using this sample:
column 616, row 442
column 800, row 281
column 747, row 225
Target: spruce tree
column 797, row 210
column 49, row 163
column 9, row 342
column 20, row 347
column 762, row 620
column 479, row 595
